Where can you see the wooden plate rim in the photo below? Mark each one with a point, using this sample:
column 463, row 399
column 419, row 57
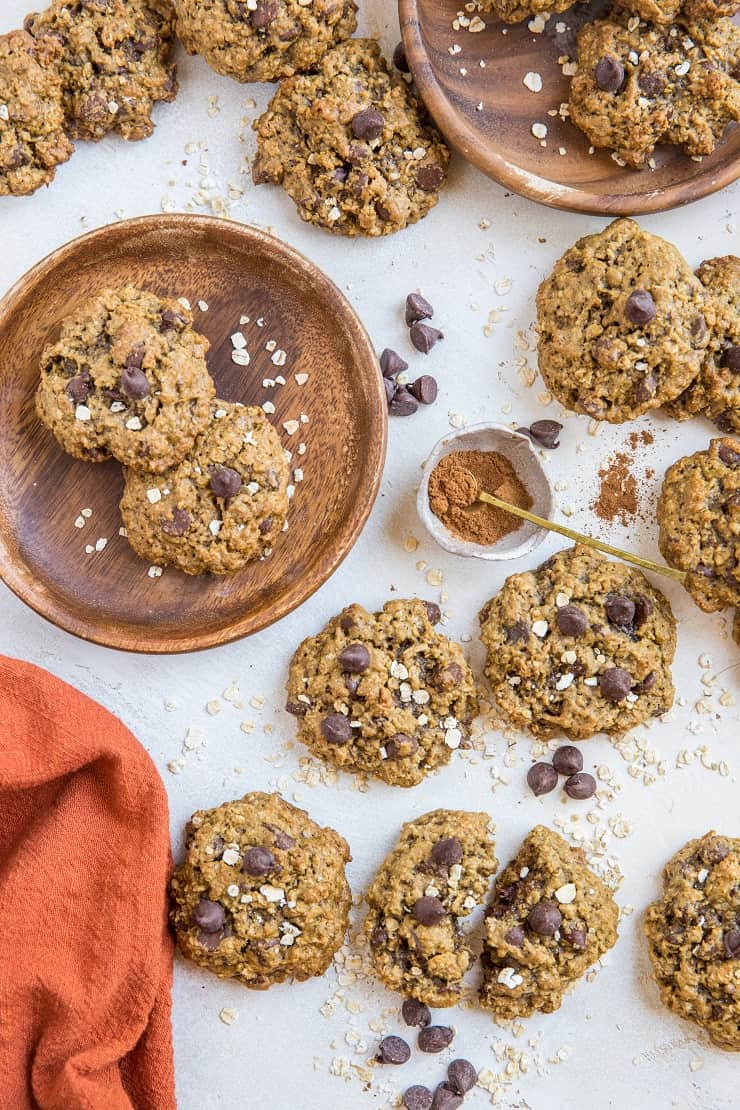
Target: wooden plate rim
column 18, row 577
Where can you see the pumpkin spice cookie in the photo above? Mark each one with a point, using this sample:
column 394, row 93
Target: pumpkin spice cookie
column 620, row 323
column 32, row 138
column 699, row 518
column 438, row 873
column 225, row 504
column 579, row 646
column 550, row 918
column 639, row 84
column 383, row 692
column 127, row 378
column 115, row 62
column 263, row 40
column 351, row 145
column 693, row 935
column 262, row 895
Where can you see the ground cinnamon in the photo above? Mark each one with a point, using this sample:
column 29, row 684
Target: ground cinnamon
column 452, row 493
column 617, row 498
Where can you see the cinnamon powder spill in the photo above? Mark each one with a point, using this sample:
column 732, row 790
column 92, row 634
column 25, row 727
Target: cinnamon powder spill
column 617, row 497
column 451, row 494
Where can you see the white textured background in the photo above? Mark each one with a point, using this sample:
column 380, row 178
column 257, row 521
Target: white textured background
column 620, row 1048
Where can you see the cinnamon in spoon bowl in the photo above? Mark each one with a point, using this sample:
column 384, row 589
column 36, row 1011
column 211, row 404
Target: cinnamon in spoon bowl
column 454, row 487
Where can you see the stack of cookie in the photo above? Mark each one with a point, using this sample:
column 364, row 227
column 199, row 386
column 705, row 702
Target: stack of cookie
column 206, row 480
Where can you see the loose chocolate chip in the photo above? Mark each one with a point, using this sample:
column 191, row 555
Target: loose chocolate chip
column 209, row 916
column 355, row 658
column 424, row 389
column 177, row 524
column 433, row 612
column 732, row 944
column 435, row 1038
column 225, row 482
column 544, row 919
column 580, row 786
column 265, row 13
column 576, row 936
column 728, row 455
column 699, row 328
column 417, row 308
column 572, row 621
column 428, row 910
column 462, row 1076
column 545, row 433
column 430, row 177
column 515, row 936
column 517, row 633
column 643, row 609
column 651, row 84
column 390, row 389
column 731, row 359
column 447, row 852
column 400, row 60
column 646, row 387
column 401, row 746
column 367, row 125
column 391, row 363
column 446, row 1099
column 567, row 760
column 336, row 728
column 615, row 683
column 417, row 1098
column 620, row 612
column 402, row 403
column 296, row 708
column 416, row 1013
column 393, row 1050
column 542, row 778
column 78, row 390
column 424, row 337
column 609, row 73
column 640, row 307
column 258, row 861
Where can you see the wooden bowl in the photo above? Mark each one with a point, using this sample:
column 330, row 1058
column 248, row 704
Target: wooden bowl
column 487, row 114
column 107, row 596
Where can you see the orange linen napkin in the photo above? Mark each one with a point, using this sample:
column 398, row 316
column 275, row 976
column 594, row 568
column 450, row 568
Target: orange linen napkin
column 85, row 953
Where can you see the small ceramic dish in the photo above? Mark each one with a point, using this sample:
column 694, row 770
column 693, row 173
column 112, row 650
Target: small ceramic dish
column 519, row 451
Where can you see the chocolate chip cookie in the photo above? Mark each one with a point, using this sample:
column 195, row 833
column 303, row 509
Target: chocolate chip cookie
column 693, row 935
column 667, row 11
column 437, row 874
column 699, row 518
column 716, row 392
column 351, row 145
column 383, row 692
column 514, row 11
column 579, row 646
column 32, row 138
column 550, row 918
column 263, row 40
column 262, row 895
column 639, row 84
column 225, row 504
column 127, row 378
column 115, row 62
column 621, row 325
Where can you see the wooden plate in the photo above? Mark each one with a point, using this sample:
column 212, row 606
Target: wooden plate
column 497, row 136
column 107, row 596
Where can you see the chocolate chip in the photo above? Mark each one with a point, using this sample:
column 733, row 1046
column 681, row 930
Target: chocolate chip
column 296, row 708
column 517, row 633
column 172, row 319
column 576, row 936
column 447, row 852
column 515, row 936
column 416, row 1013
column 424, row 389
column 400, row 60
column 417, row 308
column 417, row 1098
column 281, row 839
column 731, row 359
column 647, row 684
column 424, row 337
column 462, row 1076
column 546, row 433
column 726, row 420
column 428, row 910
column 212, row 940
column 209, row 916
column 378, row 937
column 78, row 390
column 542, row 778
column 615, row 683
column 355, row 658
column 643, row 609
column 620, row 612
column 609, row 73
column 640, row 307
column 699, row 328
column 367, row 125
column 225, row 482
column 580, row 786
column 728, row 455
column 264, row 13
column 567, row 760
column 446, row 1099
column 336, row 728
column 435, row 1038
column 449, row 677
column 391, row 363
column 401, row 746
column 390, row 389
column 732, row 944
column 258, row 861
column 651, row 84
column 265, row 525
column 646, row 387
column 402, row 403
column 433, row 612
column 178, row 524
column 544, row 919
column 430, row 177
column 393, row 1050
column 572, row 621
column 714, row 851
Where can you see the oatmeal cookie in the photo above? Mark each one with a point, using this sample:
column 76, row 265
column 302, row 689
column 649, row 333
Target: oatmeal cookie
column 699, row 518
column 550, row 918
column 115, row 62
column 667, row 11
column 636, row 87
column 514, row 11
column 262, row 895
column 621, row 325
column 263, row 40
column 437, row 874
column 383, row 692
column 351, row 145
column 32, row 138
column 693, row 935
column 222, row 506
column 579, row 646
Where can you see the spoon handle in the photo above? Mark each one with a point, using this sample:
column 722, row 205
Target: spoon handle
column 647, row 564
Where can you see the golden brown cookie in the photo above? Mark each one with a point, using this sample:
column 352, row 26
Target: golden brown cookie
column 668, row 11
column 514, row 11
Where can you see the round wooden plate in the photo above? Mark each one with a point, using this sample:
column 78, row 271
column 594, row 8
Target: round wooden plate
column 487, row 114
column 107, row 596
